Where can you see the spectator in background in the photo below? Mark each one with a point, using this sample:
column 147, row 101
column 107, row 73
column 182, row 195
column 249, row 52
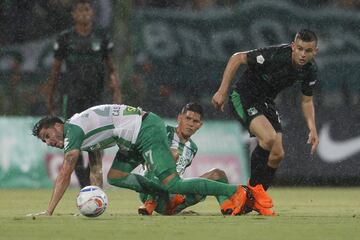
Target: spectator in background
column 15, row 95
column 86, row 52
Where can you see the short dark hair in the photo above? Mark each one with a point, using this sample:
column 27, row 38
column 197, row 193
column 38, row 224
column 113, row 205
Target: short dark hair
column 194, row 107
column 77, row 2
column 306, row 35
column 45, row 122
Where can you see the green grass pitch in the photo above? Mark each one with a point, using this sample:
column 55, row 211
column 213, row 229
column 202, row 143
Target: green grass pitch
column 304, row 213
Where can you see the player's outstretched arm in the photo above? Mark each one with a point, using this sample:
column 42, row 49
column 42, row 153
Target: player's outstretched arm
column 308, row 109
column 96, row 174
column 63, row 179
column 232, row 66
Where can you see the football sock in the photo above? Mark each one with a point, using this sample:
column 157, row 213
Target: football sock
column 82, row 173
column 200, row 186
column 259, row 159
column 137, row 183
column 221, row 198
column 269, row 174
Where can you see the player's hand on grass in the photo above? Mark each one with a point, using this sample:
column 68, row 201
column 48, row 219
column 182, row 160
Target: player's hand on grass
column 43, row 213
column 313, row 140
column 218, row 100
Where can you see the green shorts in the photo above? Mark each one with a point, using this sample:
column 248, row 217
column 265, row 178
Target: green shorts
column 152, row 144
column 126, row 162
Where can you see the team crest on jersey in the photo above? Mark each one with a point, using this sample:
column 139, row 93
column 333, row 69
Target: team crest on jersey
column 260, row 59
column 252, row 111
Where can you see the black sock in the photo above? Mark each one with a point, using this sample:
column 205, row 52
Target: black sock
column 268, row 177
column 259, row 159
column 82, row 173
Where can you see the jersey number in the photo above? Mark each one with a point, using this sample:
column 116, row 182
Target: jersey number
column 148, row 155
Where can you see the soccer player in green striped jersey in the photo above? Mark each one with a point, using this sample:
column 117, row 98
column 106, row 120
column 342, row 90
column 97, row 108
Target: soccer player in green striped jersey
column 183, row 149
column 136, row 133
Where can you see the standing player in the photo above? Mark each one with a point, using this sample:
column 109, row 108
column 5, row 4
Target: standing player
column 136, row 133
column 270, row 70
column 86, row 52
column 183, row 149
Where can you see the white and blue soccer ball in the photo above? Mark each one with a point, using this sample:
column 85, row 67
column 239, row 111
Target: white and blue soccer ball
column 91, row 201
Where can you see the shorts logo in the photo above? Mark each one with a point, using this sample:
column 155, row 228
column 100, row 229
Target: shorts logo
column 252, row 111
column 260, row 59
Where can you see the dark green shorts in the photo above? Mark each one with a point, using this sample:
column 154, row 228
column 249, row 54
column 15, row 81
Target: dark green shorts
column 152, row 144
column 126, row 162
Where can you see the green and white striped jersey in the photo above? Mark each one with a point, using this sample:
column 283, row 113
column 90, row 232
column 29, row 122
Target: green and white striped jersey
column 187, row 150
column 103, row 126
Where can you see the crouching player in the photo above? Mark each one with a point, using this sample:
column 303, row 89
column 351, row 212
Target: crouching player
column 183, row 150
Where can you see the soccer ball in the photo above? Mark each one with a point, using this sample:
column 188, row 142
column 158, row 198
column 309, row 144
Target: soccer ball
column 91, row 201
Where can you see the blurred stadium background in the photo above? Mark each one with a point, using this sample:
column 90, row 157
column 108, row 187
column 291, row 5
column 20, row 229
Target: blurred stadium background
column 172, row 52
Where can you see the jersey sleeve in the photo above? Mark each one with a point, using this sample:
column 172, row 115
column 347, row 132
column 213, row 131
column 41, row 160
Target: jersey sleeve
column 307, row 86
column 60, row 48
column 74, row 136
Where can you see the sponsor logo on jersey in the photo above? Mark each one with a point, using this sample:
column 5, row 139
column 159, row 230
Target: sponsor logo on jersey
column 336, row 151
column 260, row 59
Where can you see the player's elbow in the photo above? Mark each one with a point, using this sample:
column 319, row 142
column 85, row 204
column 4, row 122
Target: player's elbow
column 239, row 57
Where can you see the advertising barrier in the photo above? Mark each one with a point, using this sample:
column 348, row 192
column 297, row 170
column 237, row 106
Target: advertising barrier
column 336, row 161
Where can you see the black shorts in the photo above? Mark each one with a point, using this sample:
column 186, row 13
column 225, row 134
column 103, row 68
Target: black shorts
column 246, row 107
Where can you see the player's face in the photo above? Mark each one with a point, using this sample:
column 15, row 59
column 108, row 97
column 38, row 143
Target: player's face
column 53, row 136
column 188, row 123
column 303, row 52
column 83, row 13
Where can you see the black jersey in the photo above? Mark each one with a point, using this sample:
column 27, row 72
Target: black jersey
column 84, row 61
column 270, row 70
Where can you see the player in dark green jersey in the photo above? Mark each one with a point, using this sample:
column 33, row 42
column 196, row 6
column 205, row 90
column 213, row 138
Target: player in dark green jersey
column 269, row 71
column 183, row 149
column 86, row 52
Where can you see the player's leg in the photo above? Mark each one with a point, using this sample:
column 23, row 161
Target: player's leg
column 70, row 107
column 154, row 147
column 276, row 156
column 95, row 164
column 226, row 206
column 266, row 135
column 120, row 175
column 82, row 173
column 250, row 114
